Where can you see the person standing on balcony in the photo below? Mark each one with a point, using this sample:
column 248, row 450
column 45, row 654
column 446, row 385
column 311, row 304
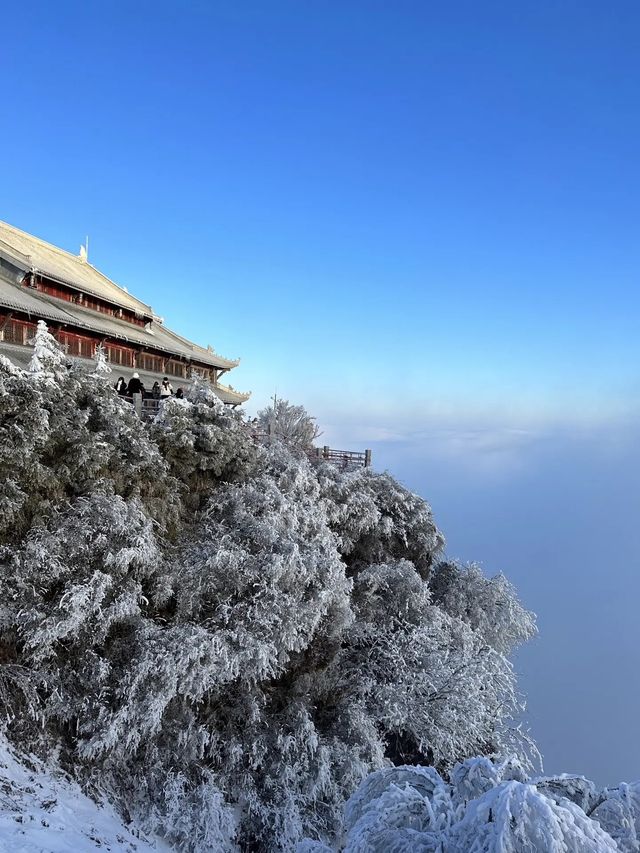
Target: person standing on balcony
column 121, row 386
column 166, row 389
column 135, row 385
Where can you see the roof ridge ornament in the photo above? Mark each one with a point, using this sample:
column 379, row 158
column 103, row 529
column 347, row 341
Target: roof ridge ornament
column 84, row 251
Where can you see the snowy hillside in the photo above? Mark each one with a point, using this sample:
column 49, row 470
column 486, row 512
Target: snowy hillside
column 46, row 812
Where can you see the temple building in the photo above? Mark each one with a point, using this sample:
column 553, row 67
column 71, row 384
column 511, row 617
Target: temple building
column 83, row 308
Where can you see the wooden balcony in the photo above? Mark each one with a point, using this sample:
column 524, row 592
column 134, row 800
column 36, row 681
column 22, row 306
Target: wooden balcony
column 343, row 459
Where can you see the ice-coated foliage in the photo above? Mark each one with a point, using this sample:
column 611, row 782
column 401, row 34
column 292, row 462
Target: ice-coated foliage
column 183, row 805
column 62, row 432
column 489, row 605
column 48, row 361
column 473, row 777
column 203, row 443
column 435, row 688
column 617, row 810
column 102, row 368
column 375, row 518
column 514, row 817
column 291, row 423
column 201, row 391
column 228, row 638
column 487, row 806
column 579, row 790
column 411, row 801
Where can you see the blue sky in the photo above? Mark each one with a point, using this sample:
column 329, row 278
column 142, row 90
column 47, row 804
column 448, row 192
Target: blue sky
column 418, row 219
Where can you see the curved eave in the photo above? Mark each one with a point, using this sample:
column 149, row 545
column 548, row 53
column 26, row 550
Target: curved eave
column 199, row 353
column 22, row 262
column 230, row 395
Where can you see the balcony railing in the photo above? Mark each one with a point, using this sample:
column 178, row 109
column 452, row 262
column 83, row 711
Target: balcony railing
column 344, row 459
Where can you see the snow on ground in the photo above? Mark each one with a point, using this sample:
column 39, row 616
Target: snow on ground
column 45, row 812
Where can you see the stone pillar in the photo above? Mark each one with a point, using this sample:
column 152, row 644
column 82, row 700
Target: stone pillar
column 137, row 404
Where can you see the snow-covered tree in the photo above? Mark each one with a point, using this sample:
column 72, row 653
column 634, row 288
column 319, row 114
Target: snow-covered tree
column 292, row 423
column 102, row 368
column 399, row 808
column 62, row 431
column 515, row 817
column 435, row 688
column 617, row 810
column 376, row 518
column 203, row 444
column 48, row 360
column 201, row 391
column 489, row 606
column 486, row 807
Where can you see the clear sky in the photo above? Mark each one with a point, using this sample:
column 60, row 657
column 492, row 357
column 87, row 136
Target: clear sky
column 418, row 219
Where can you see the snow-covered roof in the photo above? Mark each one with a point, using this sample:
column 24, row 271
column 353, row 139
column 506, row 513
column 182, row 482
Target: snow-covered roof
column 33, row 303
column 28, row 253
column 37, row 255
column 175, row 342
column 153, row 336
column 230, row 395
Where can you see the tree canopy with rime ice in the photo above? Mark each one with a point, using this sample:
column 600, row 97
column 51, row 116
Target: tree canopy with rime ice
column 487, row 806
column 229, row 637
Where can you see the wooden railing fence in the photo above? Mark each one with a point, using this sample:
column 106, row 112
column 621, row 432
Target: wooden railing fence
column 344, row 459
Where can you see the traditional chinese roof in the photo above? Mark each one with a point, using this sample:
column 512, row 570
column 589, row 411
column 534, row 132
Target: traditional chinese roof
column 229, row 395
column 153, row 336
column 31, row 302
column 36, row 255
column 27, row 253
